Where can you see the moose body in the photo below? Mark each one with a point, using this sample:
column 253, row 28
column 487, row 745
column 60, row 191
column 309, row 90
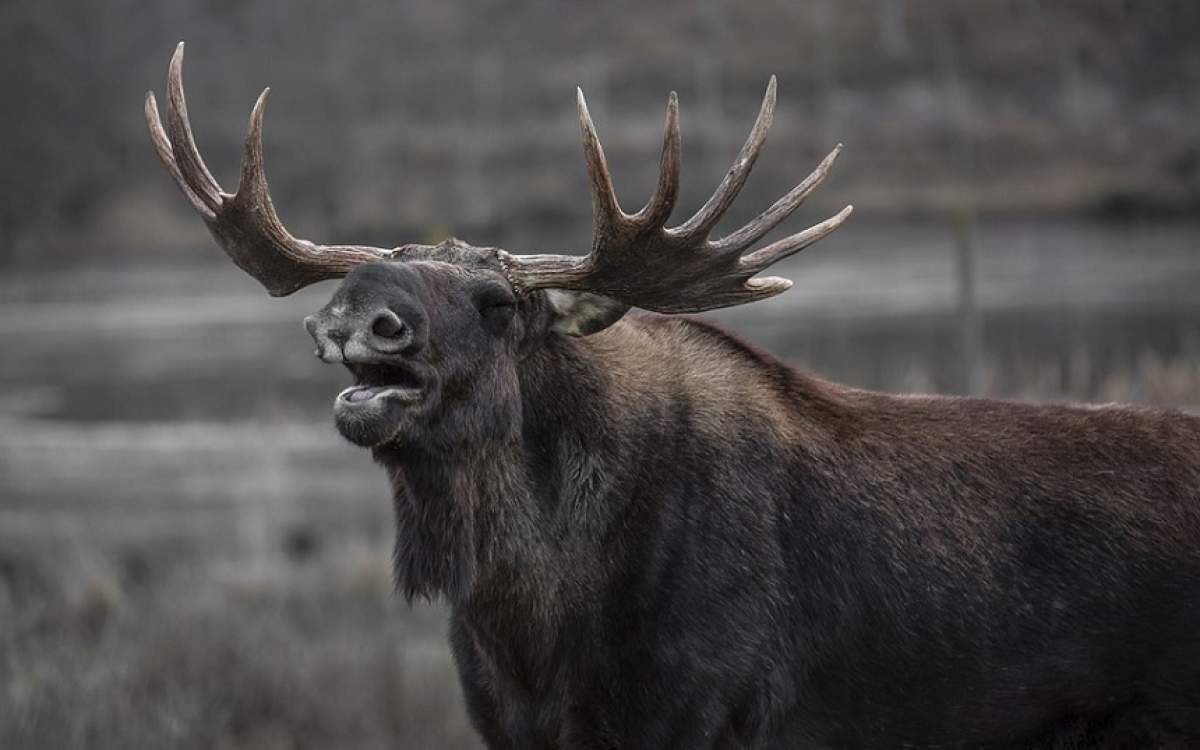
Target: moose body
column 653, row 535
column 682, row 542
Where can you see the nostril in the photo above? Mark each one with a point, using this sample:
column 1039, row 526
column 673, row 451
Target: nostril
column 388, row 325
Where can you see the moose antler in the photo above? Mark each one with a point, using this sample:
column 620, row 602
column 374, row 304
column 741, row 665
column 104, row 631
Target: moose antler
column 244, row 223
column 636, row 259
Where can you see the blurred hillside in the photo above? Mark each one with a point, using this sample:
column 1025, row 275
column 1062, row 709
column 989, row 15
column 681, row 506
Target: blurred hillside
column 394, row 122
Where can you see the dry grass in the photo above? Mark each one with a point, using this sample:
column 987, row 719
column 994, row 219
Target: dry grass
column 316, row 655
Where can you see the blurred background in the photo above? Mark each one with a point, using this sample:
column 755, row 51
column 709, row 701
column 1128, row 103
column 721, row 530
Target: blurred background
column 190, row 556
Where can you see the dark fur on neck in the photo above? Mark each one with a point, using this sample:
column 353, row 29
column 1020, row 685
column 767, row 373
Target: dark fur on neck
column 493, row 491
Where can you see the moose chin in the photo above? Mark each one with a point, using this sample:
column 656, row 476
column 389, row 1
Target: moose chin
column 651, row 534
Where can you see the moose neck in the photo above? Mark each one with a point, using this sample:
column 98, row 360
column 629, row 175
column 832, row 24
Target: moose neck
column 453, row 504
column 486, row 513
column 509, row 512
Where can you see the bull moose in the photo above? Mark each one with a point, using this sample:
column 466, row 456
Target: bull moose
column 652, row 534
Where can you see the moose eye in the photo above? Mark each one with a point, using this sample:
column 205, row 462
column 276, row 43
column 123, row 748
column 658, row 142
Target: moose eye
column 497, row 317
column 496, row 305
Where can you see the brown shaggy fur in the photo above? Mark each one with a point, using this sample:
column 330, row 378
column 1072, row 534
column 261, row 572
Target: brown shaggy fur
column 658, row 536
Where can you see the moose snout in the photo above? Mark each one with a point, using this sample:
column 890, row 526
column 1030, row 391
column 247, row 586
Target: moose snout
column 373, row 337
column 329, row 340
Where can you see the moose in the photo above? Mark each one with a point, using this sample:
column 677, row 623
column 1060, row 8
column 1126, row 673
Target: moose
column 652, row 534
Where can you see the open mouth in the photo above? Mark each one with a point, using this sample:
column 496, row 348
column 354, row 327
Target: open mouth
column 377, row 383
column 382, row 402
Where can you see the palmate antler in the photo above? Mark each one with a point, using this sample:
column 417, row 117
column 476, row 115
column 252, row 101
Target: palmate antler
column 635, row 259
column 244, row 223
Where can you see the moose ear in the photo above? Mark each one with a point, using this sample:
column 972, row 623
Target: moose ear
column 583, row 313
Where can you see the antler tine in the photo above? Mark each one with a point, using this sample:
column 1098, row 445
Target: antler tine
column 187, row 156
column 254, row 196
column 162, row 145
column 606, row 210
column 777, row 251
column 658, row 209
column 716, row 206
column 779, row 211
column 253, row 178
column 245, row 224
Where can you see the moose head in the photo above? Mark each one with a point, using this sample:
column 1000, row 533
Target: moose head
column 422, row 327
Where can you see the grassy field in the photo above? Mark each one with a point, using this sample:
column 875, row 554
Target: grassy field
column 190, row 556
